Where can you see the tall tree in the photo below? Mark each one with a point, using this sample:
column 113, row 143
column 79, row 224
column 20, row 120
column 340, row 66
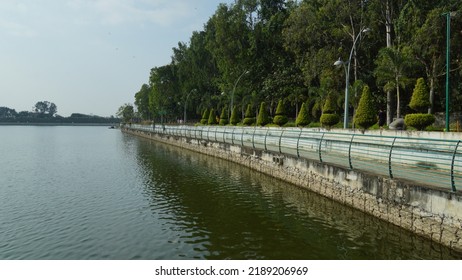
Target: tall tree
column 45, row 108
column 142, row 101
column 391, row 72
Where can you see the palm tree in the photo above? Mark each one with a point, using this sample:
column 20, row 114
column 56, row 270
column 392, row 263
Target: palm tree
column 392, row 66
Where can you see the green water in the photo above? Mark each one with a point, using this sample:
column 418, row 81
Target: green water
column 96, row 193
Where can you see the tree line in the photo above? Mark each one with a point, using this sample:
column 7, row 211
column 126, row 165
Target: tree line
column 46, row 112
column 255, row 51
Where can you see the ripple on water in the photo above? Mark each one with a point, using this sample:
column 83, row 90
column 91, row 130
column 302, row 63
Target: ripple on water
column 105, row 195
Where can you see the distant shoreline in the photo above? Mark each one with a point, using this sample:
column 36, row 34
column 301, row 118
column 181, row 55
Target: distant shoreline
column 56, row 124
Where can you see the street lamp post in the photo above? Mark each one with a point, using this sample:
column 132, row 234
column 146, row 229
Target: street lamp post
column 186, row 103
column 346, row 65
column 448, row 52
column 234, row 89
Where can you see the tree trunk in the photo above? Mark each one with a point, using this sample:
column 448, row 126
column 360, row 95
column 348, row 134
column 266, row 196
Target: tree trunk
column 388, row 28
column 432, row 95
column 389, row 108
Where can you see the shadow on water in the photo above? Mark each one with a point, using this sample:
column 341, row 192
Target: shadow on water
column 214, row 209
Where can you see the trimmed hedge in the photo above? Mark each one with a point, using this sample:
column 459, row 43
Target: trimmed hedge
column 420, row 97
column 212, row 118
column 223, row 116
column 303, row 118
column 328, row 117
column 419, row 121
column 280, row 118
column 205, row 117
column 329, row 120
column 263, row 118
column 249, row 118
column 366, row 115
column 234, row 116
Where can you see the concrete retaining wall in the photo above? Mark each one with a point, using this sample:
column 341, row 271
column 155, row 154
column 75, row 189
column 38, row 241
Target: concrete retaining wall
column 429, row 212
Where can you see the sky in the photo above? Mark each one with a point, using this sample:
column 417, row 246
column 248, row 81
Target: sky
column 89, row 56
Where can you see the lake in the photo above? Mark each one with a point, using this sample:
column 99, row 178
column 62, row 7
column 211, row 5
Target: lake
column 95, row 193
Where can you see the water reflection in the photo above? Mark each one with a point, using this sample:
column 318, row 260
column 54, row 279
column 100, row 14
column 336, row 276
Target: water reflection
column 214, row 209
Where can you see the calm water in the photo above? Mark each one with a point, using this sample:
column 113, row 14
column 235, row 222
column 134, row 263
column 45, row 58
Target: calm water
column 95, row 193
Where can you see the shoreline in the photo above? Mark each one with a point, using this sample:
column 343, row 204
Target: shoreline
column 58, row 124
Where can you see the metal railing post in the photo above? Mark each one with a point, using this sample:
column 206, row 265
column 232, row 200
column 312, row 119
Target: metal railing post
column 253, row 137
column 266, row 135
column 453, row 183
column 390, row 171
column 280, row 138
column 320, row 146
column 232, row 136
column 349, row 152
column 298, row 142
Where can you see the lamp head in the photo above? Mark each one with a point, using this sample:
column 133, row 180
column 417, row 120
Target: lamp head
column 338, row 62
column 366, row 30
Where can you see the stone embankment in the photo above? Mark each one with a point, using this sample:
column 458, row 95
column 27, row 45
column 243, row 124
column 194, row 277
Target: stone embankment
column 430, row 212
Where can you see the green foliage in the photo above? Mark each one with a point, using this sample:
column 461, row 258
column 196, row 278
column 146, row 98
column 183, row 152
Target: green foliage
column 224, row 116
column 280, row 118
column 126, row 112
column 212, row 118
column 234, row 116
column 329, row 120
column 288, row 48
column 45, row 108
column 263, row 117
column 392, row 71
column 303, row 118
column 420, row 97
column 329, row 105
column 366, row 114
column 328, row 117
column 205, row 117
column 249, row 117
column 419, row 121
column 142, row 101
column 316, row 111
column 280, row 110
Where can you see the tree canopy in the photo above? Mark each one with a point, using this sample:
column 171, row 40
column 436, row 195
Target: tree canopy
column 252, row 51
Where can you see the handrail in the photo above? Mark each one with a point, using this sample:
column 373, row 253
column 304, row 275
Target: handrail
column 434, row 162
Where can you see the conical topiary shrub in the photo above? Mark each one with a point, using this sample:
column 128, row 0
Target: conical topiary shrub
column 205, row 117
column 212, row 117
column 420, row 103
column 316, row 110
column 224, row 116
column 263, row 118
column 420, row 100
column 234, row 117
column 303, row 118
column 249, row 118
column 328, row 117
column 366, row 114
column 280, row 118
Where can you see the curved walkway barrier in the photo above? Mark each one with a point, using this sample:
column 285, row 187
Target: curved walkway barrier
column 429, row 162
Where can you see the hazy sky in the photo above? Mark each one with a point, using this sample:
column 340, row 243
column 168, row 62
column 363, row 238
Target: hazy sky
column 89, row 56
